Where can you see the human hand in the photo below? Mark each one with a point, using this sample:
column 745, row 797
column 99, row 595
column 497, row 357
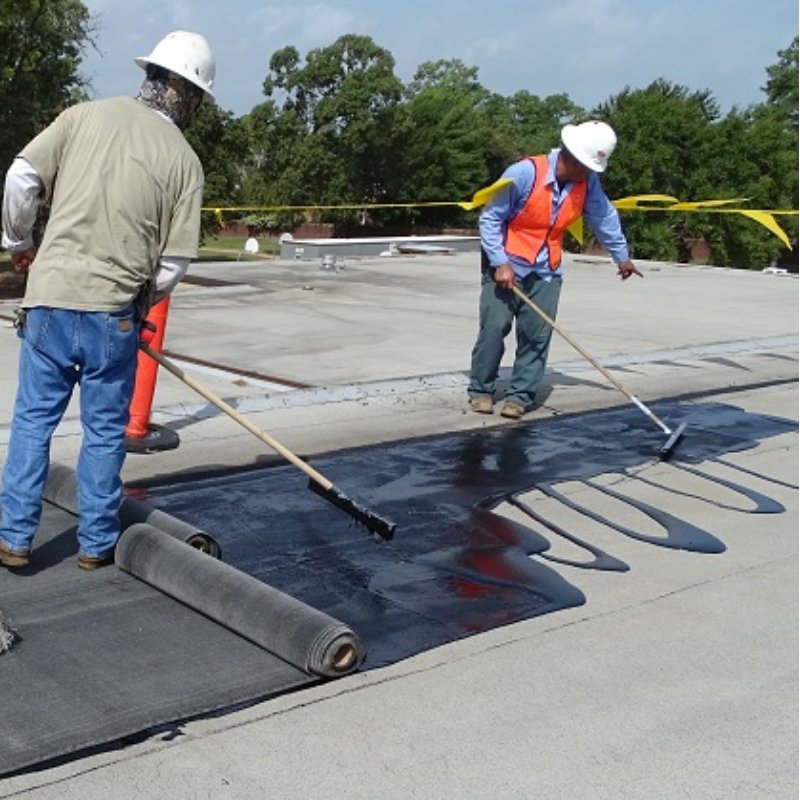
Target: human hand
column 626, row 269
column 504, row 276
column 23, row 259
column 147, row 332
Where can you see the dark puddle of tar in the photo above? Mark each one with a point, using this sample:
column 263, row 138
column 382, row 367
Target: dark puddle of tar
column 455, row 567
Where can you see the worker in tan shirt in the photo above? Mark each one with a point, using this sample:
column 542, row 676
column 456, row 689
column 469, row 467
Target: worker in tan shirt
column 125, row 192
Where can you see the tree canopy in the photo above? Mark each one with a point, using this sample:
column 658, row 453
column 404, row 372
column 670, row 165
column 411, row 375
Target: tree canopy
column 41, row 46
column 782, row 87
column 337, row 127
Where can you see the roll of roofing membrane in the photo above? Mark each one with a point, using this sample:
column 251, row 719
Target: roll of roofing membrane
column 132, row 511
column 61, row 490
column 288, row 628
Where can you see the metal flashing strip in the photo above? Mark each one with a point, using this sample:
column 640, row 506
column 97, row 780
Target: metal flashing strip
column 297, row 398
column 282, row 396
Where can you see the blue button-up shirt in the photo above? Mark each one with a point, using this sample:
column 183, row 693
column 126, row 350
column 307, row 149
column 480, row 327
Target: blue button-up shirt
column 598, row 212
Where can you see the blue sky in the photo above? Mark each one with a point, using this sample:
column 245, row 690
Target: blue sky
column 588, row 49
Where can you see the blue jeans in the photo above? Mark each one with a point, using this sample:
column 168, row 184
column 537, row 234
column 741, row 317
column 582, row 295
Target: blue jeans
column 499, row 308
column 62, row 348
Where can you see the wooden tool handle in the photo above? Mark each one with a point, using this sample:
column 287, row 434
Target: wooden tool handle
column 242, row 420
column 599, row 367
column 554, row 325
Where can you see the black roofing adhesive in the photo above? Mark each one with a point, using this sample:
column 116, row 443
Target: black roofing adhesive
column 762, row 503
column 456, row 566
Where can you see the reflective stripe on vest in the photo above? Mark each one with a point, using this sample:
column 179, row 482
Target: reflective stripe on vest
column 532, row 228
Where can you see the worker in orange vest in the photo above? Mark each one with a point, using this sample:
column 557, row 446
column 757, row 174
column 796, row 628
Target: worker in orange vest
column 522, row 231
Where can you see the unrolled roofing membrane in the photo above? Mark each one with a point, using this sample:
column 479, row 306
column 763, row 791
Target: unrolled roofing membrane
column 303, row 594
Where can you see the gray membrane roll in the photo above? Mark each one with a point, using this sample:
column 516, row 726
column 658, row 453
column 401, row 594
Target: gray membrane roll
column 131, row 511
column 286, row 627
column 61, row 490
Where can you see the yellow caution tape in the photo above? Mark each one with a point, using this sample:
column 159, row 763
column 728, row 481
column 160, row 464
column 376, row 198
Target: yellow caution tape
column 765, row 217
column 483, row 196
column 642, row 202
column 576, row 229
column 633, row 202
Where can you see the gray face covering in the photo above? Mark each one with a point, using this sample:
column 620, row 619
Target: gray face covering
column 172, row 96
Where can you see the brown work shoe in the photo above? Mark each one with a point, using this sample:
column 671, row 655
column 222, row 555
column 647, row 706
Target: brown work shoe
column 512, row 410
column 95, row 562
column 11, row 557
column 483, row 404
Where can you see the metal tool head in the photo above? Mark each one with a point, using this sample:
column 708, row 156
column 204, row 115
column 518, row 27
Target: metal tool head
column 667, row 448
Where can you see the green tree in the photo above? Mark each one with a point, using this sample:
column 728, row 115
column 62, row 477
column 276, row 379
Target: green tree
column 663, row 148
column 750, row 154
column 338, row 127
column 440, row 146
column 451, row 74
column 672, row 141
column 337, row 108
column 781, row 88
column 41, row 47
column 782, row 99
column 221, row 143
column 272, row 137
column 522, row 125
column 459, row 137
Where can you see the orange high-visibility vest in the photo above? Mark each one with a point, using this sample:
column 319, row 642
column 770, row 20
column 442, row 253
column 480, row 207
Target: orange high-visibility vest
column 531, row 228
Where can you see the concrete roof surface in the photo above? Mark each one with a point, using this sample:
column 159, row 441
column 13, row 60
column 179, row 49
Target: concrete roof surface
column 678, row 679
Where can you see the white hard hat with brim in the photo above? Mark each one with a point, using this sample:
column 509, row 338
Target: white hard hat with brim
column 590, row 142
column 187, row 55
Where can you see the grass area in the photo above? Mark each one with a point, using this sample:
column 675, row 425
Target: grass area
column 231, row 248
column 213, row 248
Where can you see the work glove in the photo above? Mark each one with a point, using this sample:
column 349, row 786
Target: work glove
column 147, row 332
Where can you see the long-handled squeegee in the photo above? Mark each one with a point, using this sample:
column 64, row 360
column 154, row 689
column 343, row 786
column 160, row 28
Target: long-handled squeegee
column 673, row 436
column 318, row 483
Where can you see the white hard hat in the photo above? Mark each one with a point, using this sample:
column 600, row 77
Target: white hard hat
column 186, row 54
column 590, row 142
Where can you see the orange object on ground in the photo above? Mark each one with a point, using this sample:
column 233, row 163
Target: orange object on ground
column 146, row 373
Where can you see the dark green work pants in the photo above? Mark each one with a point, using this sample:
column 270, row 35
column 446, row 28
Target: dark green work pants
column 499, row 308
